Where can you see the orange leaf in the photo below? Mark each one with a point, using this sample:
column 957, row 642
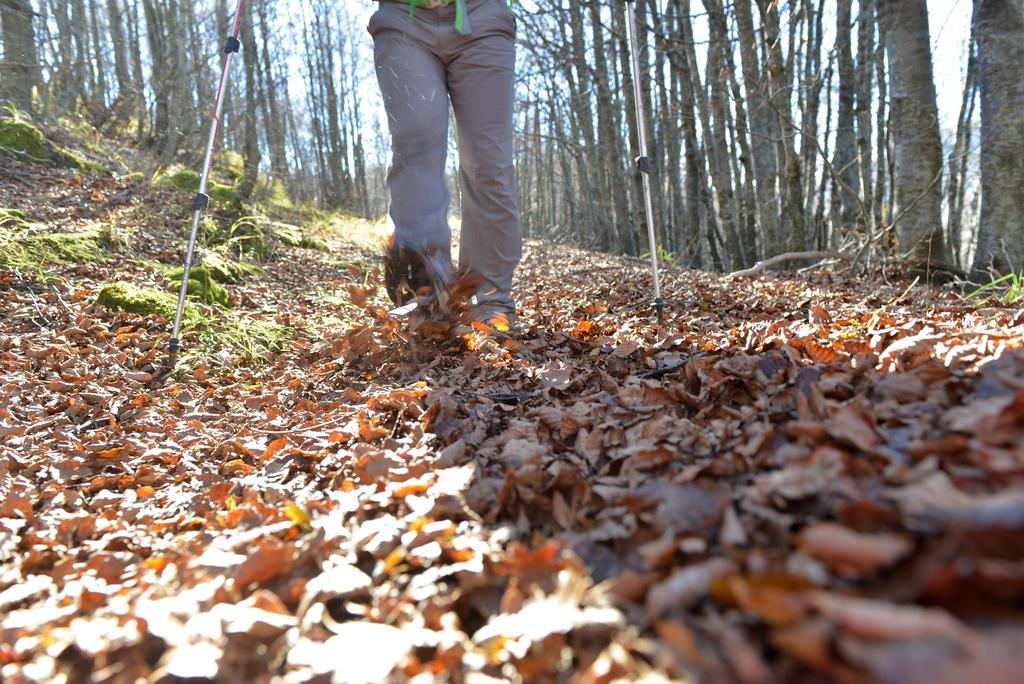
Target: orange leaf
column 412, row 487
column 156, row 563
column 270, row 560
column 237, row 467
column 274, row 447
column 820, row 315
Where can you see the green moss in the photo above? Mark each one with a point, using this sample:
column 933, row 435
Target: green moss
column 226, row 270
column 14, row 254
column 147, row 301
column 202, row 286
column 224, row 199
column 222, row 193
column 11, row 215
column 134, row 177
column 69, row 248
column 83, row 164
column 25, row 250
column 182, row 179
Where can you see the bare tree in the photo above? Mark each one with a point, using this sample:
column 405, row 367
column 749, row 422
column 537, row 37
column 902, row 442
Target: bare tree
column 19, row 71
column 917, row 149
column 1000, row 33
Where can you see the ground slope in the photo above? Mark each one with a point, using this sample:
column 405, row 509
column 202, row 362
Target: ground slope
column 794, row 479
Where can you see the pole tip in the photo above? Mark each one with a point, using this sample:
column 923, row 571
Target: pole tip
column 174, row 345
column 659, row 309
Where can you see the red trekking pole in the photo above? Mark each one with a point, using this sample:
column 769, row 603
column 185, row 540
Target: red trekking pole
column 202, row 201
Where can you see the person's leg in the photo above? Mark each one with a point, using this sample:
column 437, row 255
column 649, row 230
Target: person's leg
column 481, row 83
column 412, row 83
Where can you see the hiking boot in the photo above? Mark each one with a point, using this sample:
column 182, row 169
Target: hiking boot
column 497, row 321
column 405, row 273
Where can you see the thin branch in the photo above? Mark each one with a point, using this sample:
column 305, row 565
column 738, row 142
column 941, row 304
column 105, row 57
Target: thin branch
column 789, row 256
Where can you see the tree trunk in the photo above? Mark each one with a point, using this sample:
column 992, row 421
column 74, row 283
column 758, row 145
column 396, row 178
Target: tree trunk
column 1000, row 34
column 19, row 71
column 275, row 123
column 845, row 159
column 159, row 80
column 99, row 94
column 252, row 138
column 865, row 81
column 609, row 143
column 763, row 150
column 960, row 154
column 124, row 87
column 791, row 169
column 915, row 127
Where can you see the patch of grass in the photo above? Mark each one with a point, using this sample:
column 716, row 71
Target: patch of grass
column 207, row 280
column 243, row 237
column 670, row 259
column 371, row 235
column 257, row 235
column 294, row 236
column 253, row 341
column 1009, row 289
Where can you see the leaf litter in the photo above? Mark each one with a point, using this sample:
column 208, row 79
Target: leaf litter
column 795, row 479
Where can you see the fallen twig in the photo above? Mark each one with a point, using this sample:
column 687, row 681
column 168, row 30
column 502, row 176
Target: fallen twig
column 789, row 256
column 668, row 368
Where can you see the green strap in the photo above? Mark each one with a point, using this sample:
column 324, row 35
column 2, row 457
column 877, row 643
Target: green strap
column 460, row 16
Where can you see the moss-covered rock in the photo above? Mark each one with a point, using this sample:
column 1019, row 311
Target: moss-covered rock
column 226, row 270
column 23, row 141
column 24, row 249
column 183, row 179
column 85, row 247
column 147, row 301
column 224, row 198
column 202, row 286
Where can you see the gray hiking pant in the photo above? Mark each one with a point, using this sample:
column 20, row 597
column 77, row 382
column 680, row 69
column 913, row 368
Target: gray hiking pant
column 421, row 64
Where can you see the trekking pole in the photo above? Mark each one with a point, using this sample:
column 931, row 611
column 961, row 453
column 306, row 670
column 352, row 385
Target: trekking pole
column 643, row 163
column 202, row 201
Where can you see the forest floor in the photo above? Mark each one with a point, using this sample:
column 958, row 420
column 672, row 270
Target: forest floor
column 795, row 479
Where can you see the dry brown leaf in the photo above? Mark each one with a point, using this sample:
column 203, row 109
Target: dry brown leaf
column 852, row 553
